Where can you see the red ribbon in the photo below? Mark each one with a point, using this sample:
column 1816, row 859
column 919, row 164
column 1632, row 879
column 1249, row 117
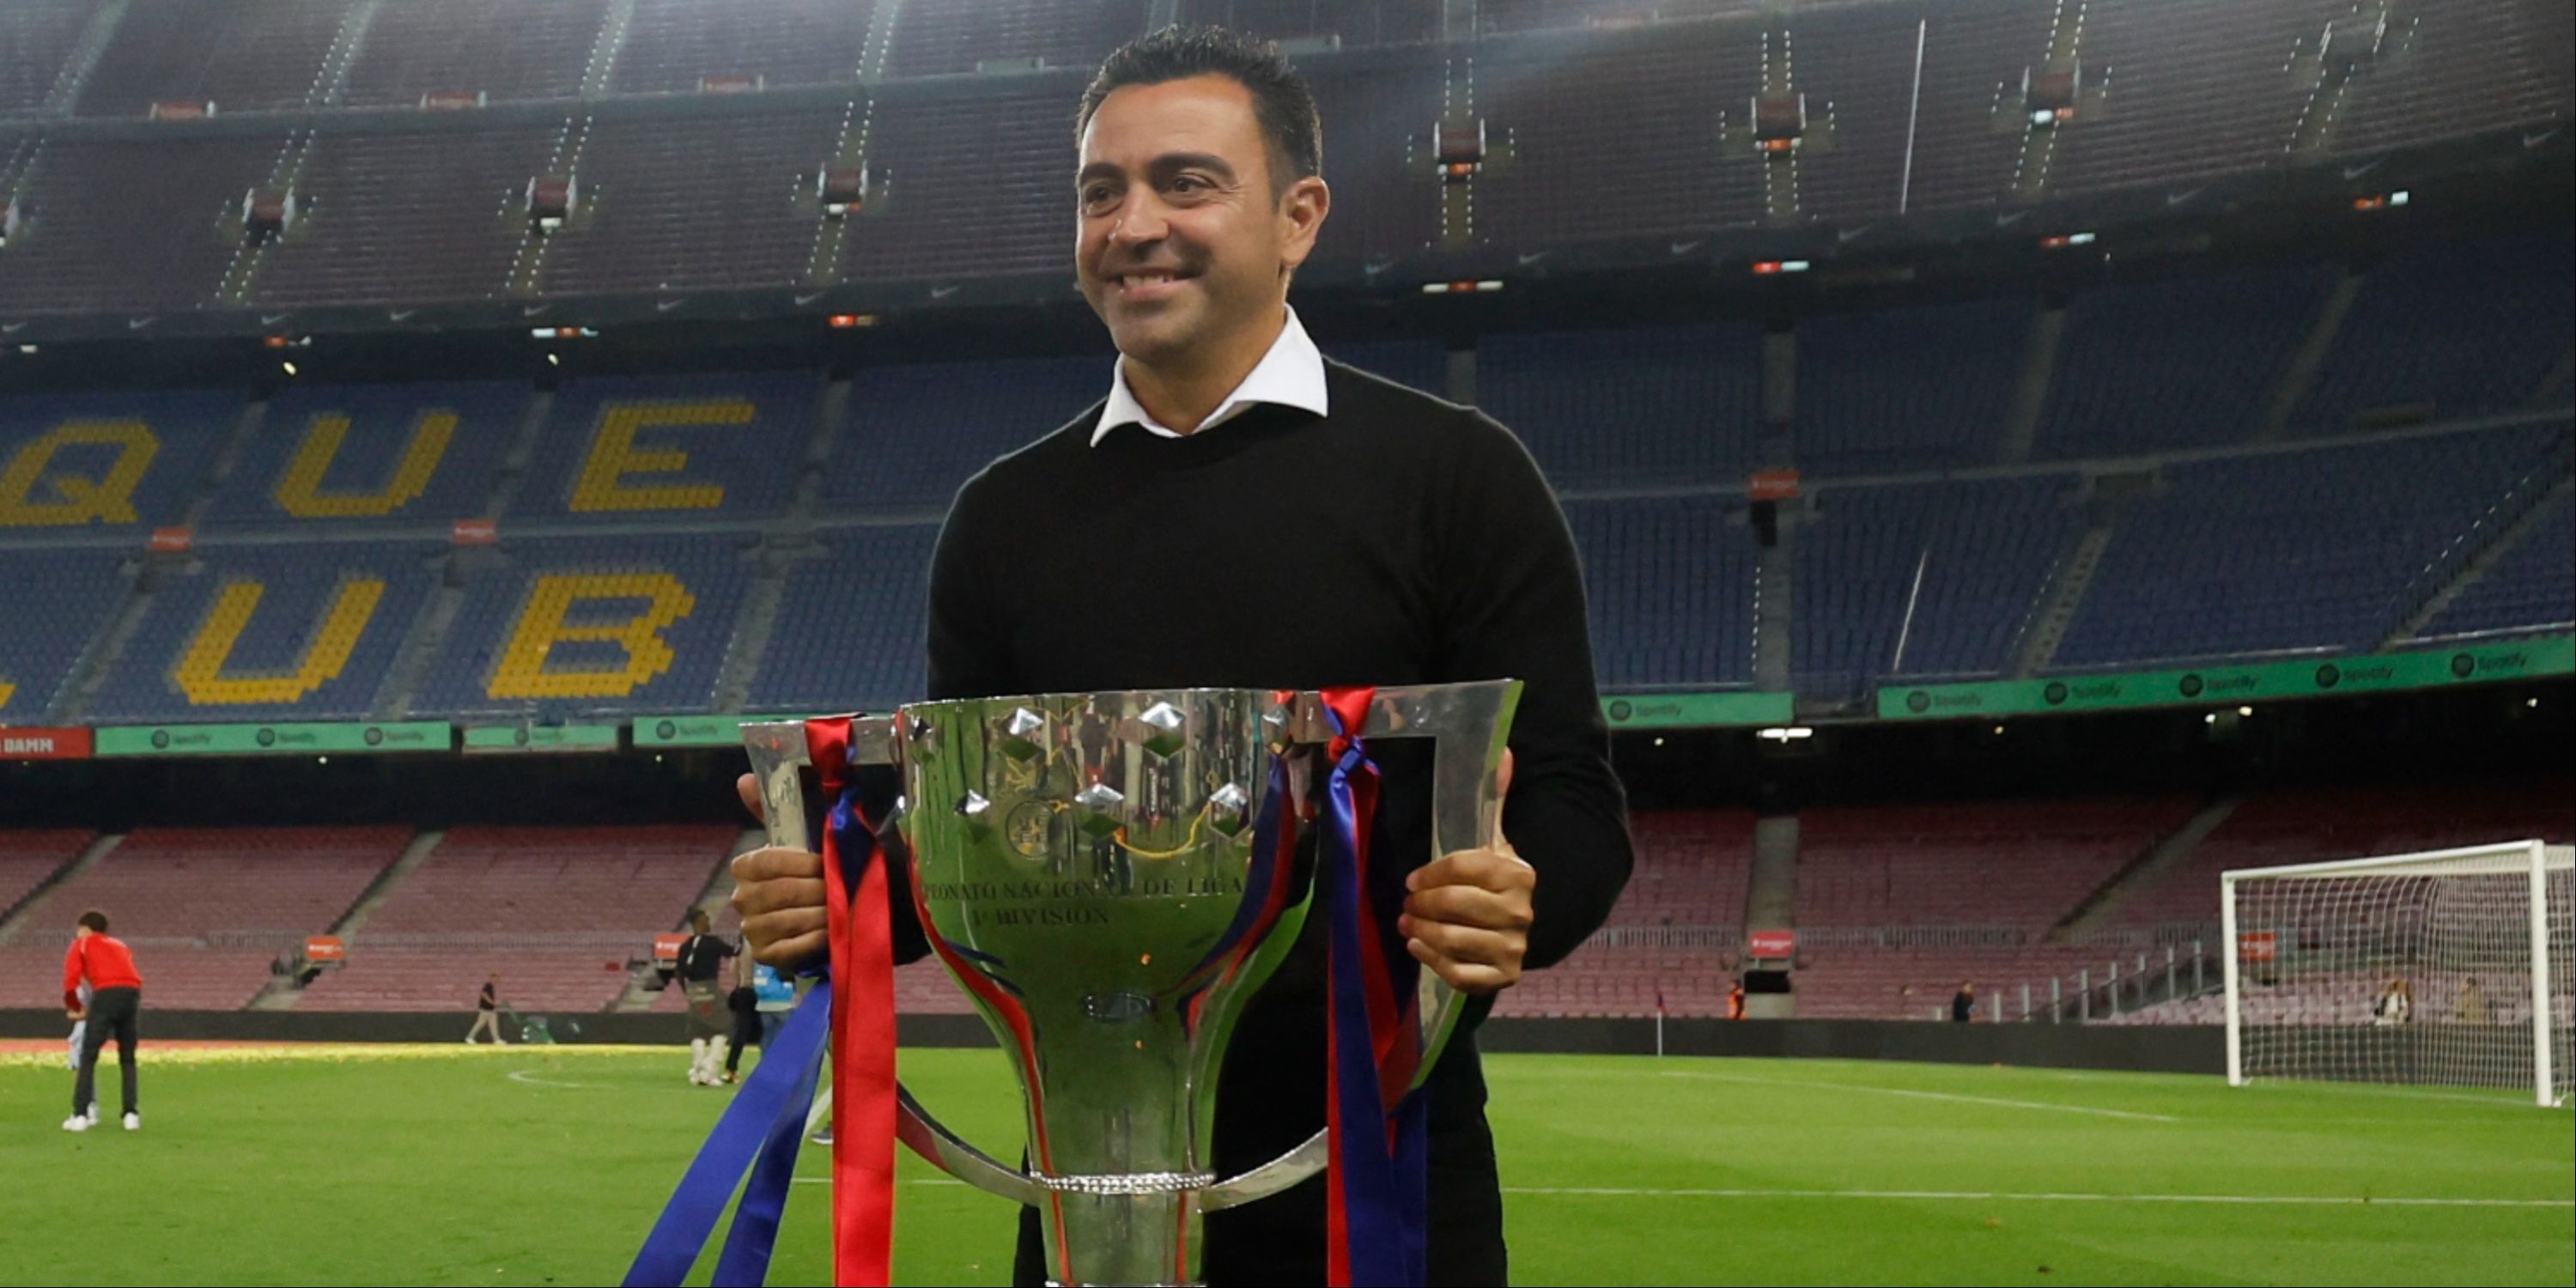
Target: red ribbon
column 861, row 935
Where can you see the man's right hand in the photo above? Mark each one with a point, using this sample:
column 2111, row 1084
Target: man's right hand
column 780, row 895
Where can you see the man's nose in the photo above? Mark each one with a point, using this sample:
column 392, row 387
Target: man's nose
column 1141, row 220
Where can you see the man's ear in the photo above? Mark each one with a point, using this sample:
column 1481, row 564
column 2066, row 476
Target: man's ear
column 1302, row 210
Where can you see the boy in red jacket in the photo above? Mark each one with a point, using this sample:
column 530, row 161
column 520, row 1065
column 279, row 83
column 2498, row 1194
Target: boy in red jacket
column 115, row 996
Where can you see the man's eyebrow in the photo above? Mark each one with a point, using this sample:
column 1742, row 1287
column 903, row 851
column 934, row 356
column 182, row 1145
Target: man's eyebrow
column 1164, row 164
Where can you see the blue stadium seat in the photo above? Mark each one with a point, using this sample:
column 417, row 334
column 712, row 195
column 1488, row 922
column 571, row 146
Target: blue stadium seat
column 1670, row 586
column 117, row 460
column 1985, row 549
column 850, row 629
column 915, row 432
column 380, row 454
column 2532, row 587
column 576, row 626
column 672, row 447
column 1907, row 389
column 2299, row 551
column 57, row 601
column 292, row 631
column 2167, row 365
column 1643, row 406
column 2459, row 327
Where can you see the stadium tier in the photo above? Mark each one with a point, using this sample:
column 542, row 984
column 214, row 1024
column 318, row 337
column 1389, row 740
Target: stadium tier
column 2114, row 391
column 557, row 912
column 1658, row 406
column 2533, row 585
column 1903, row 390
column 945, row 111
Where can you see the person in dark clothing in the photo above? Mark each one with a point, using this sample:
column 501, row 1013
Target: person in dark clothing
column 487, row 1013
column 1963, row 1004
column 700, row 972
column 744, row 1002
column 1242, row 512
column 104, row 964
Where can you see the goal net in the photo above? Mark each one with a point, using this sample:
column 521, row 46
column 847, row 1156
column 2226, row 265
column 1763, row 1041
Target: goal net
column 2451, row 968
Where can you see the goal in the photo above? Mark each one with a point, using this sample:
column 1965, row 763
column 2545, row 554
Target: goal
column 2449, row 968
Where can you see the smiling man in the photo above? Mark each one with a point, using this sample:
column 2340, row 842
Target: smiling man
column 1241, row 512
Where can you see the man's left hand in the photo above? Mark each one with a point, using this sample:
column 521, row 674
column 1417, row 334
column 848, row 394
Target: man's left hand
column 1468, row 914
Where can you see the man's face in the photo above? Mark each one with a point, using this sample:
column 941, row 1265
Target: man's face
column 1183, row 240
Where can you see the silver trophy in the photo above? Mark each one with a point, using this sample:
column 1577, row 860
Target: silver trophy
column 1093, row 872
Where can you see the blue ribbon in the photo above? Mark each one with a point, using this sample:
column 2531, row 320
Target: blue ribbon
column 1384, row 1151
column 760, row 1131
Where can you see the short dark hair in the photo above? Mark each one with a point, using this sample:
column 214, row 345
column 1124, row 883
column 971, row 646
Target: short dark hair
column 1280, row 99
column 95, row 920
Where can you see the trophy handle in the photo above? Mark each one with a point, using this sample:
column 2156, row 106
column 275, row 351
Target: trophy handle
column 1470, row 723
column 778, row 759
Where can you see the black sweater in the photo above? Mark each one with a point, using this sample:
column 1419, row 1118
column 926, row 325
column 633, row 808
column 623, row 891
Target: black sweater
column 1399, row 540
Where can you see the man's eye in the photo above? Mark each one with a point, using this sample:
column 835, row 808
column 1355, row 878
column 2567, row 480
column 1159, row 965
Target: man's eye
column 1093, row 196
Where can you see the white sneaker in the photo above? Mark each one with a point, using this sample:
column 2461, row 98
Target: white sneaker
column 77, row 1122
column 134, row 1122
column 93, row 1113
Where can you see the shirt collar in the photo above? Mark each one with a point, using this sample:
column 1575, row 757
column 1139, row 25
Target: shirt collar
column 1291, row 375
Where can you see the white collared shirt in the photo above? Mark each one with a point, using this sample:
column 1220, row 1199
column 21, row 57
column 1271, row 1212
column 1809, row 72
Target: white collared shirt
column 1291, row 374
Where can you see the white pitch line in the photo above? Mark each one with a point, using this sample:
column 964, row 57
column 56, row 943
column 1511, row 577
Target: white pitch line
column 2304, row 1200
column 529, row 1079
column 1928, row 1095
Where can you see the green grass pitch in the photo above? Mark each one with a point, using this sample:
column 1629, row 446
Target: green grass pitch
column 546, row 1165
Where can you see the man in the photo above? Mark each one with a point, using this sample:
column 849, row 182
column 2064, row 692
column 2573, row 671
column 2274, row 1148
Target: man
column 744, row 1003
column 487, row 1013
column 1241, row 512
column 700, row 971
column 80, row 1029
column 1963, row 1004
column 2471, row 1006
column 106, row 965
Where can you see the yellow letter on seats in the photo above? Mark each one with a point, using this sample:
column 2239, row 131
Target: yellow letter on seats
column 326, row 652
column 7, row 691
column 614, row 456
column 75, row 499
column 522, row 671
column 299, row 490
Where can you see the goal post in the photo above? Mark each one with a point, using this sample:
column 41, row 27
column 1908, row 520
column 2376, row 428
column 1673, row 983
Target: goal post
column 2452, row 968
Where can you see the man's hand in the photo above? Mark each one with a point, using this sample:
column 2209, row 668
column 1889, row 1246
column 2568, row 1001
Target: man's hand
column 76, row 1014
column 780, row 895
column 1468, row 915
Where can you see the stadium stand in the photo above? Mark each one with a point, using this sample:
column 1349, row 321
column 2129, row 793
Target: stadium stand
column 1984, row 548
column 1686, row 896
column 1670, row 584
column 2514, row 61
column 671, row 447
column 2115, row 391
column 695, row 203
column 677, row 46
column 406, row 216
column 2449, row 329
column 28, row 858
column 119, row 459
column 371, row 455
column 35, row 37
column 588, row 625
column 2532, row 587
column 58, row 600
column 1899, row 390
column 1353, row 23
column 917, row 431
column 121, row 224
column 967, row 187
column 849, row 630
column 239, row 55
column 557, row 911
column 963, row 35
column 2367, row 520
column 1644, row 406
column 1639, row 118
column 500, row 49
column 1377, row 141
column 207, row 910
column 296, row 630
column 2015, row 866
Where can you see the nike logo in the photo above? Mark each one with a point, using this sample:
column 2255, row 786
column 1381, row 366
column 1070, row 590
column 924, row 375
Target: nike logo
column 399, row 315
column 665, row 306
column 1532, row 257
column 2356, row 171
column 2008, row 219
column 137, row 324
column 1845, row 235
column 266, row 320
column 2535, row 140
column 2177, row 198
column 1684, row 248
column 942, row 292
column 803, row 300
column 531, row 310
column 12, row 328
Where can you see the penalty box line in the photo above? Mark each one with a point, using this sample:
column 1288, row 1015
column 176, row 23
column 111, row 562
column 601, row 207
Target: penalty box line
column 1925, row 1095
